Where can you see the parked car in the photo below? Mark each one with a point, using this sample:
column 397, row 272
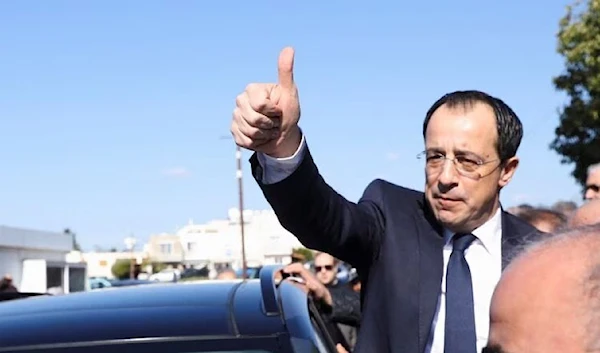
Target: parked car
column 195, row 272
column 99, row 283
column 272, row 314
column 166, row 275
column 129, row 282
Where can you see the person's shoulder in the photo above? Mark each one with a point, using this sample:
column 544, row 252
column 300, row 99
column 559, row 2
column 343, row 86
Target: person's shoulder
column 518, row 222
column 393, row 198
column 393, row 190
column 523, row 230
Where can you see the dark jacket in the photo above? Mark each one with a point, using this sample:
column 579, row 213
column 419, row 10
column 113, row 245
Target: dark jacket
column 393, row 240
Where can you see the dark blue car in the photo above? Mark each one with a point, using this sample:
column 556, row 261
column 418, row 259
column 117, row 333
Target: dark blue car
column 266, row 315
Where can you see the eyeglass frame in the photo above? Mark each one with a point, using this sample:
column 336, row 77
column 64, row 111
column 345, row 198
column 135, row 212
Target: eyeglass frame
column 457, row 165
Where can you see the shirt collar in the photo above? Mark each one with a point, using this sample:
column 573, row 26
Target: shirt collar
column 487, row 234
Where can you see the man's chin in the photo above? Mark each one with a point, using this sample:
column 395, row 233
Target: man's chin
column 448, row 219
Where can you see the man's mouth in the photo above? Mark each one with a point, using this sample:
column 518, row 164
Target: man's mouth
column 447, row 202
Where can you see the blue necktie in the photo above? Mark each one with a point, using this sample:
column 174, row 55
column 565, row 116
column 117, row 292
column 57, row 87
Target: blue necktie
column 459, row 329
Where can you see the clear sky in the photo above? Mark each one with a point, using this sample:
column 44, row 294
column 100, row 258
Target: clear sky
column 112, row 112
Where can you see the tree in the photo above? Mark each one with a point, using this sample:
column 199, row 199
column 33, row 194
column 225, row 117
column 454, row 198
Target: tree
column 304, row 252
column 76, row 245
column 578, row 134
column 121, row 268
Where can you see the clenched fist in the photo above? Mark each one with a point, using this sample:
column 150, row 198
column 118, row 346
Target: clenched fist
column 266, row 115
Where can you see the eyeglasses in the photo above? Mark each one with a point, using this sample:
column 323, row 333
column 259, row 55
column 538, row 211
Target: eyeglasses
column 326, row 268
column 466, row 165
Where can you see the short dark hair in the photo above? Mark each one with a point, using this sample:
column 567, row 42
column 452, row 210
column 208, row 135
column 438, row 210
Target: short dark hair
column 510, row 129
column 534, row 215
column 564, row 207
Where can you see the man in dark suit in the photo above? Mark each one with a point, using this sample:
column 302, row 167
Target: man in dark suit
column 428, row 261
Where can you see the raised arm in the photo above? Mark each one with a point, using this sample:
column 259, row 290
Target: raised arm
column 317, row 215
column 265, row 120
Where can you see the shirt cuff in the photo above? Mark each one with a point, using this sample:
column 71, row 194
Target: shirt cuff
column 277, row 169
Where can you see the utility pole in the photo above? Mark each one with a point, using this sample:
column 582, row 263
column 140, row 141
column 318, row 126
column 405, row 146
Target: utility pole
column 130, row 244
column 238, row 174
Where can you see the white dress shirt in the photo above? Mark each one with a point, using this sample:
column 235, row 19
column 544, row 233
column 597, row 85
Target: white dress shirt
column 484, row 257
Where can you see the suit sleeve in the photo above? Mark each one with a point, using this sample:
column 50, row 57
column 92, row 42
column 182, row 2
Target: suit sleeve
column 346, row 307
column 321, row 218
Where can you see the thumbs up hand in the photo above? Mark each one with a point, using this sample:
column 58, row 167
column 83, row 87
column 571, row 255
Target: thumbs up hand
column 266, row 115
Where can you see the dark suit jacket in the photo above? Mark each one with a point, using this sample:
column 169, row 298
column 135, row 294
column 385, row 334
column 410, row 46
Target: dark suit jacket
column 392, row 239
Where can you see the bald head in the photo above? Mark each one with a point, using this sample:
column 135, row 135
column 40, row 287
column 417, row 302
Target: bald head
column 587, row 214
column 548, row 298
column 326, row 268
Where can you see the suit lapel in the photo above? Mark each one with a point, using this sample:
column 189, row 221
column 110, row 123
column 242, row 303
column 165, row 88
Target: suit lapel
column 431, row 264
column 431, row 261
column 514, row 236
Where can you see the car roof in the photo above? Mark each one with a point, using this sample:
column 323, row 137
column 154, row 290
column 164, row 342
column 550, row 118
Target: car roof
column 211, row 308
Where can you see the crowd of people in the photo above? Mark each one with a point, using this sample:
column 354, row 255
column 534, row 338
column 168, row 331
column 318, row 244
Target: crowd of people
column 560, row 215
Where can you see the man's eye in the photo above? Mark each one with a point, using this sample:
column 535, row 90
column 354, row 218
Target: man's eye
column 467, row 163
column 434, row 157
column 594, row 188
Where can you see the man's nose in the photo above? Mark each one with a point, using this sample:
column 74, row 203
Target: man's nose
column 448, row 177
column 590, row 194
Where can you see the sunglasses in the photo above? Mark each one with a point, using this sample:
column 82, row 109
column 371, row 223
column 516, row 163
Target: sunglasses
column 326, row 268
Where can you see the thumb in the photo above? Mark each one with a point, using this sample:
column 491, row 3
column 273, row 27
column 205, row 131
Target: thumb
column 286, row 68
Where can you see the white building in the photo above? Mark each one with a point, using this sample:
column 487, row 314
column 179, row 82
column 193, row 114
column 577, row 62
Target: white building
column 99, row 264
column 37, row 260
column 219, row 241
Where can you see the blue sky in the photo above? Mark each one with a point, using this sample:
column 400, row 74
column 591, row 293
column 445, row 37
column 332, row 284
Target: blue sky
column 111, row 112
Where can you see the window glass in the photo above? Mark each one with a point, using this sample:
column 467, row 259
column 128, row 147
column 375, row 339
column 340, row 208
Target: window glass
column 319, row 339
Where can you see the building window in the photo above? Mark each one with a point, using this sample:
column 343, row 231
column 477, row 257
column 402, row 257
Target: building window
column 166, row 249
column 192, row 246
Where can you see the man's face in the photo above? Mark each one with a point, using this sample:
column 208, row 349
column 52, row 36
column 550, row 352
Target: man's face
column 537, row 306
column 587, row 214
column 592, row 185
column 325, row 268
column 462, row 201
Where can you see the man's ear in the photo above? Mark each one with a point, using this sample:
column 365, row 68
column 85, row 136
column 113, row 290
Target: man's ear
column 507, row 170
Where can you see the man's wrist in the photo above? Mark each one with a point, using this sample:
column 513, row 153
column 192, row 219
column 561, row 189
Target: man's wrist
column 289, row 145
